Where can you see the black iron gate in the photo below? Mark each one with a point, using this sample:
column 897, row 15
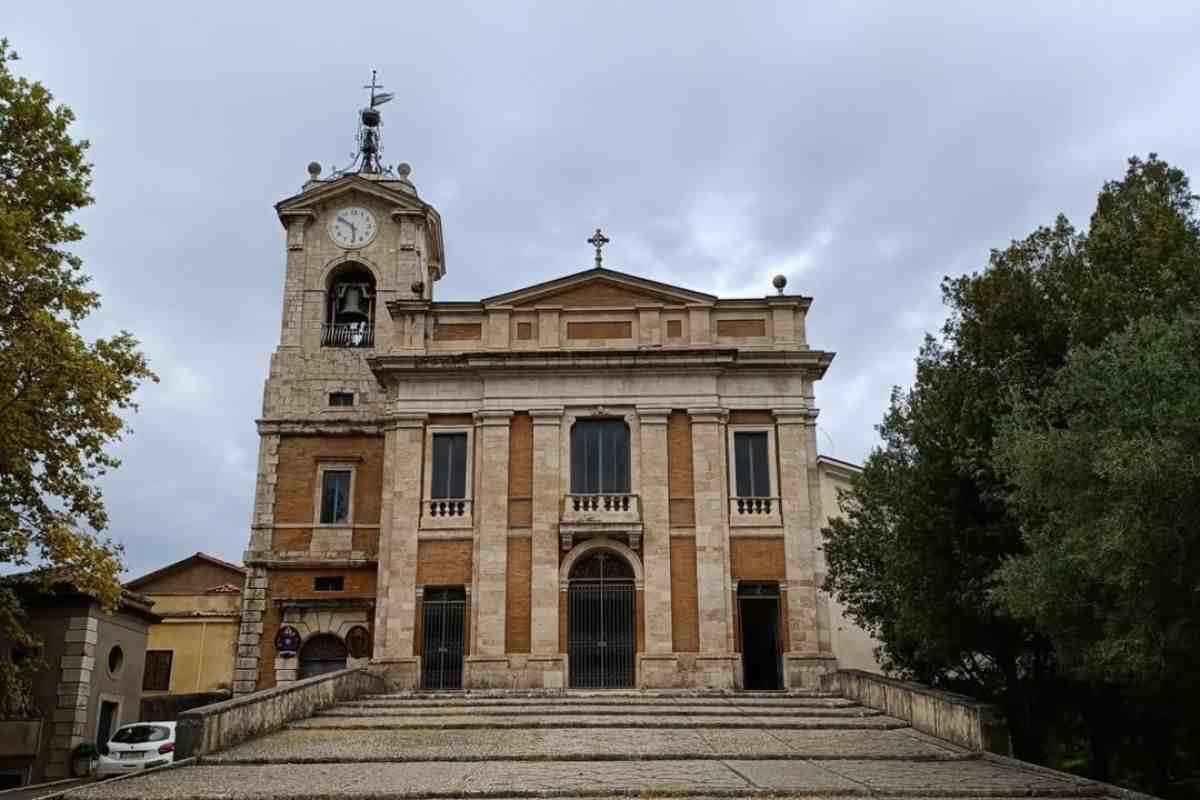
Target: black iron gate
column 602, row 623
column 442, row 650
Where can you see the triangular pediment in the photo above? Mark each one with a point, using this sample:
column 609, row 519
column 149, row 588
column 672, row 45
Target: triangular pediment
column 353, row 185
column 599, row 288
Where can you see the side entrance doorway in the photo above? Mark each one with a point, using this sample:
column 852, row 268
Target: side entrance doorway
column 602, row 623
column 758, row 613
column 323, row 653
column 442, row 638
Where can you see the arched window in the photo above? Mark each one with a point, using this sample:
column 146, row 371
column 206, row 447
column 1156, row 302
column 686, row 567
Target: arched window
column 350, row 308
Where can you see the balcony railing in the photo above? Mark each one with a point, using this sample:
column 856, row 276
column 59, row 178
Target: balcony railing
column 754, row 510
column 447, row 512
column 347, row 334
column 602, row 507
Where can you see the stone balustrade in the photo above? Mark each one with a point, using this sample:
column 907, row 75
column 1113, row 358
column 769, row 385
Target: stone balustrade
column 602, row 508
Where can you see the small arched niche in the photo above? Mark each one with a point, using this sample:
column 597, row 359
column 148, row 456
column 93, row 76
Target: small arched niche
column 349, row 307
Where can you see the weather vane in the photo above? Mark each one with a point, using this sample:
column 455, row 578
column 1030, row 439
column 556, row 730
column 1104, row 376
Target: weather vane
column 368, row 130
column 598, row 241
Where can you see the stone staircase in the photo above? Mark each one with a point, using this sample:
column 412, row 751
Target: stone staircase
column 596, row 744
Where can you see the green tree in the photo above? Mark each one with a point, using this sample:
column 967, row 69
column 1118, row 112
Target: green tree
column 1105, row 472
column 61, row 397
column 917, row 557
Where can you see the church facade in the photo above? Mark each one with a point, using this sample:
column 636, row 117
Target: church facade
column 596, row 481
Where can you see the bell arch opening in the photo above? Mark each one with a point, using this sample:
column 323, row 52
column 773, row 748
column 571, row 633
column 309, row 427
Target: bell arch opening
column 601, row 622
column 349, row 307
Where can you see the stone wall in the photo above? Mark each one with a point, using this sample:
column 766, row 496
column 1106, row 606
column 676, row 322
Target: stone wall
column 953, row 717
column 210, row 729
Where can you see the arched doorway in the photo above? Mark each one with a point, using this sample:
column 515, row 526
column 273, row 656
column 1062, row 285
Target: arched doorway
column 602, row 622
column 322, row 653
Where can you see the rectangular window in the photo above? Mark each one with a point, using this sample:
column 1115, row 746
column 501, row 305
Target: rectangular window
column 449, row 466
column 335, row 496
column 329, row 583
column 341, row 398
column 600, row 457
column 751, row 464
column 157, row 677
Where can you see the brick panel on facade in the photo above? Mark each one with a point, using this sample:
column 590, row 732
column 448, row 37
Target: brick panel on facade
column 757, row 559
column 741, row 328
column 751, row 418
column 457, row 331
column 293, row 540
column 520, row 471
column 297, row 584
column 680, row 483
column 444, row 563
column 517, row 595
column 295, row 488
column 685, row 604
column 599, row 330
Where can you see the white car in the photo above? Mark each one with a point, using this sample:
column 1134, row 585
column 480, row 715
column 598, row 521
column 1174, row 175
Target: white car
column 140, row 745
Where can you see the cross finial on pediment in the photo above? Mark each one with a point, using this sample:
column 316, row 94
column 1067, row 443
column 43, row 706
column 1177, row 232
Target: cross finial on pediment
column 598, row 241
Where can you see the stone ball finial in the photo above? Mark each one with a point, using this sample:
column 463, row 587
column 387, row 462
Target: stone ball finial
column 314, row 170
column 404, row 169
column 779, row 281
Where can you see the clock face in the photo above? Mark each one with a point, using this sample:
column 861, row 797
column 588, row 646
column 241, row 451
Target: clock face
column 352, row 227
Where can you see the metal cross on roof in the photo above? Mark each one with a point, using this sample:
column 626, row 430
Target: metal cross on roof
column 598, row 241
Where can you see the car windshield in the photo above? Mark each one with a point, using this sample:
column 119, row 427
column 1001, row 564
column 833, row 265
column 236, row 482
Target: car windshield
column 140, row 734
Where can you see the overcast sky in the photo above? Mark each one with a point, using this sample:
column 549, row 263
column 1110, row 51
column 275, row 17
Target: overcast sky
column 862, row 150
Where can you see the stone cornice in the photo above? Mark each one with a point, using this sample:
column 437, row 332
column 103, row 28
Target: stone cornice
column 814, row 362
column 656, row 415
column 317, row 427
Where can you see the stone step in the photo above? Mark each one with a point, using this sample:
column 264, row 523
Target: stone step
column 524, row 779
column 612, row 709
column 667, row 695
column 447, row 700
column 484, row 722
column 326, row 746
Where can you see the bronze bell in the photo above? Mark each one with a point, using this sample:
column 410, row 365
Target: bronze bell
column 353, row 302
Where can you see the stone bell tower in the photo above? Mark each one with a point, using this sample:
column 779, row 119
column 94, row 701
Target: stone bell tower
column 357, row 241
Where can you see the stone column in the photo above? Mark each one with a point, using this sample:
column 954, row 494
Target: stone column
column 488, row 667
column 804, row 663
column 716, row 664
column 396, row 607
column 545, row 662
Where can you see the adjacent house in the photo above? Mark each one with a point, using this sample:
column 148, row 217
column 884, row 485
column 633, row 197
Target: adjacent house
column 90, row 682
column 198, row 601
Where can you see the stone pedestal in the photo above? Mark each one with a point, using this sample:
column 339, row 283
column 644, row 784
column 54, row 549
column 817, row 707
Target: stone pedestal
column 400, row 674
column 659, row 671
column 488, row 672
column 804, row 670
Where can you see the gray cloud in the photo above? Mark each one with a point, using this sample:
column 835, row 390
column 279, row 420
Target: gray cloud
column 865, row 151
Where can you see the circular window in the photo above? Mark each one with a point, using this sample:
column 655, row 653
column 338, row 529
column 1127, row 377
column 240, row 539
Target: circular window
column 116, row 659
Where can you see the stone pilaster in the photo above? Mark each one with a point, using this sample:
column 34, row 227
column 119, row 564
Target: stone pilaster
column 656, row 536
column 716, row 663
column 492, row 541
column 546, row 665
column 293, row 284
column 254, row 593
column 74, row 693
column 395, row 619
column 547, row 497
column 806, row 660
